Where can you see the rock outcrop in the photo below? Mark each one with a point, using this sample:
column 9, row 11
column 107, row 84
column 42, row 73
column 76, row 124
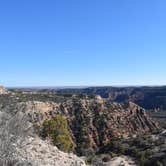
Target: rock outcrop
column 3, row 90
column 42, row 153
column 19, row 144
column 93, row 122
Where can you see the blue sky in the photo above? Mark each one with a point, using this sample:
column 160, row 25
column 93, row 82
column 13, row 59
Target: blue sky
column 82, row 42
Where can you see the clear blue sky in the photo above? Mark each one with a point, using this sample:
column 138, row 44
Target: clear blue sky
column 82, row 42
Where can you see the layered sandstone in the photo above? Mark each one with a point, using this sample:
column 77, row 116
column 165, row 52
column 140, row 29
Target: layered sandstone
column 93, row 122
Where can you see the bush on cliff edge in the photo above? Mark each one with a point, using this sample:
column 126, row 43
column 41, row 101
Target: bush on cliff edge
column 57, row 130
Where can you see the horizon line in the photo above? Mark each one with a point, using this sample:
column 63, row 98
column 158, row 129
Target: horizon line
column 84, row 86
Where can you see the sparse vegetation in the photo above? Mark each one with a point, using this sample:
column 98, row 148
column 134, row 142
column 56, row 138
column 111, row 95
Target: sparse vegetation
column 142, row 148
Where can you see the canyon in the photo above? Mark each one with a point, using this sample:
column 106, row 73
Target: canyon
column 93, row 123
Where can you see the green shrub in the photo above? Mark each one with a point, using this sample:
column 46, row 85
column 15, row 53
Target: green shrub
column 57, row 130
